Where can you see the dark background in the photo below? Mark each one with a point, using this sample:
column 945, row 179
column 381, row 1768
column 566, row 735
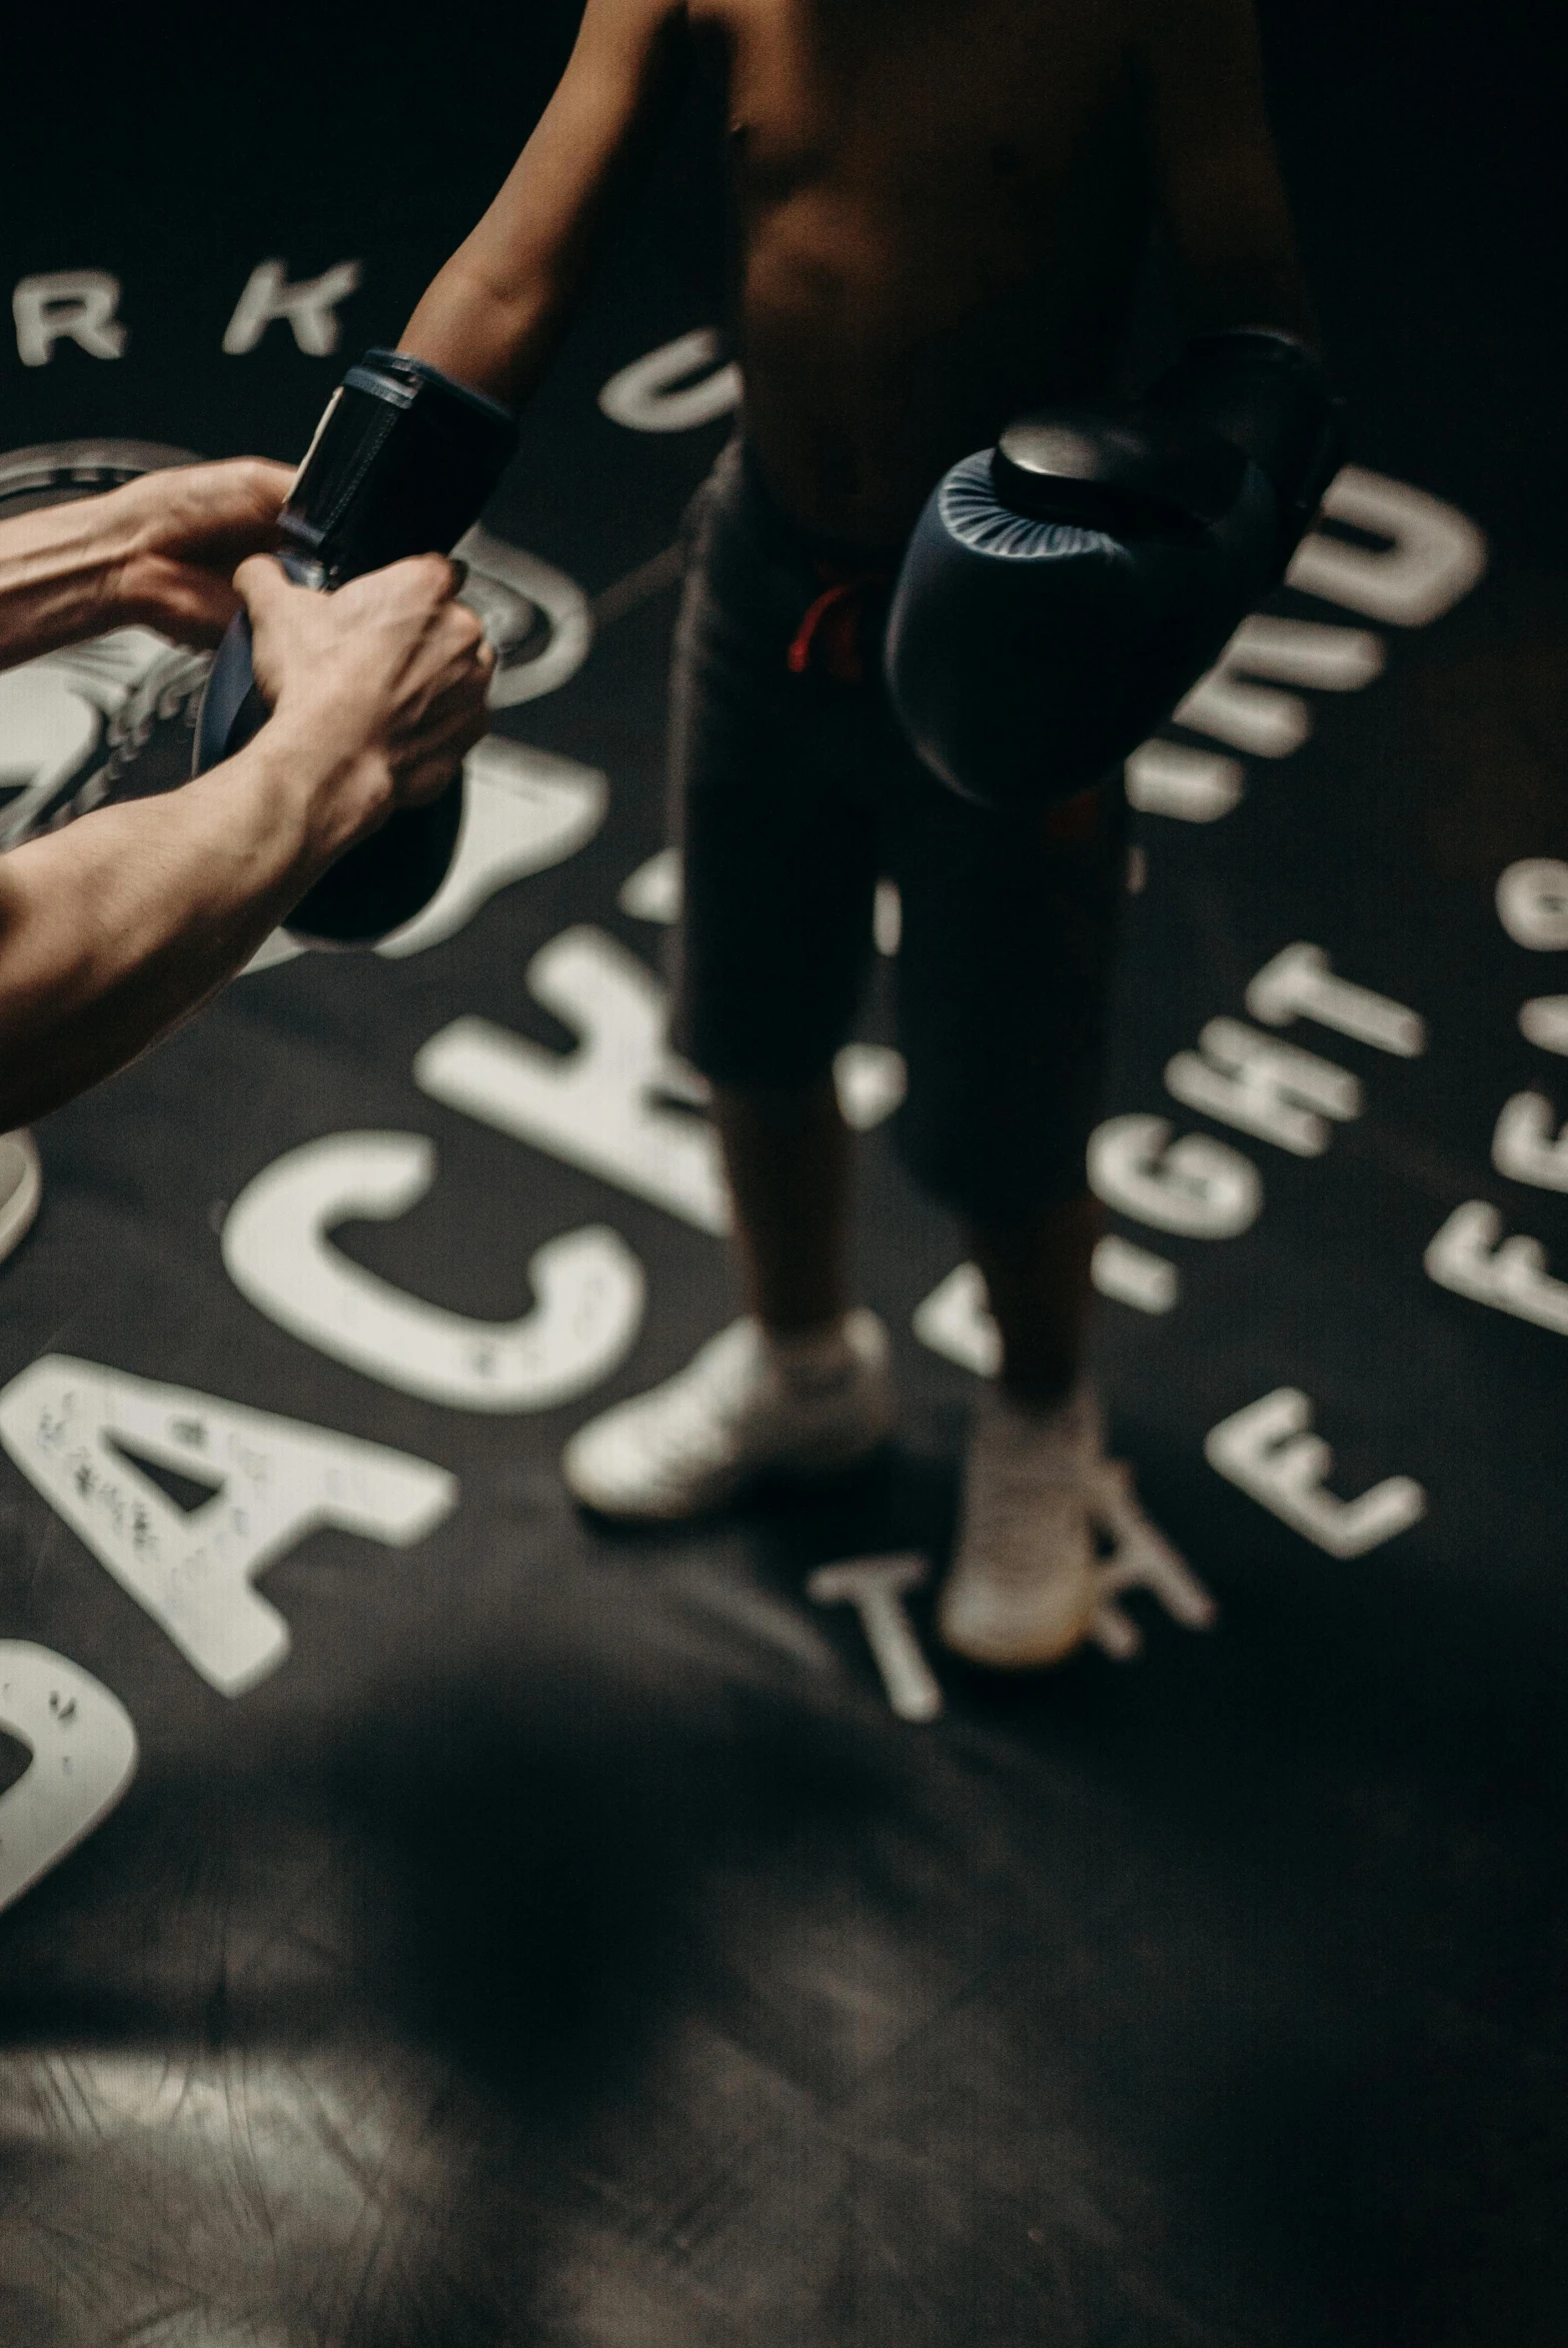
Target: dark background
column 565, row 1945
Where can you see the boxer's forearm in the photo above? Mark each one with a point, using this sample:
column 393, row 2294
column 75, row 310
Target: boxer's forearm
column 498, row 342
column 116, row 929
column 1262, row 287
column 496, row 313
column 1218, row 190
column 1235, row 251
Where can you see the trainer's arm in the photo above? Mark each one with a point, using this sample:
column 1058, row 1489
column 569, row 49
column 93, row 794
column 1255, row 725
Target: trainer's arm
column 1220, row 195
column 159, row 552
column 495, row 314
column 114, row 930
column 117, row 928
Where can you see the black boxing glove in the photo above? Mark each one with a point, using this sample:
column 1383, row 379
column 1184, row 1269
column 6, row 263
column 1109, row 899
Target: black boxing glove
column 403, row 462
column 1063, row 590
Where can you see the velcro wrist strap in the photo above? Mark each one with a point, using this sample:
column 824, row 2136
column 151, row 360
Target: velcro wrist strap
column 402, row 464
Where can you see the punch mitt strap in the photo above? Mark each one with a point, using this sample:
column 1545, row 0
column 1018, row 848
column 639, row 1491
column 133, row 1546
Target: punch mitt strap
column 402, row 464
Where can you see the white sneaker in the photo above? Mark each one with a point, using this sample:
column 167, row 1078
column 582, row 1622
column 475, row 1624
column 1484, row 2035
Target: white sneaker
column 1026, row 1585
column 744, row 1410
column 21, row 1188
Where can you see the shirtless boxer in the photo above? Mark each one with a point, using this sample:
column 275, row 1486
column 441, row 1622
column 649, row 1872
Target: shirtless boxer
column 118, row 927
column 942, row 207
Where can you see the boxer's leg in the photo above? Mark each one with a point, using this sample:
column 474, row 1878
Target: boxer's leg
column 780, row 864
column 1003, row 979
column 1036, row 1272
column 787, row 1154
column 1010, row 930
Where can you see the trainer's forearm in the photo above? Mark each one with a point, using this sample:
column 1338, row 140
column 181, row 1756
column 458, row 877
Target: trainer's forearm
column 116, row 929
column 59, row 574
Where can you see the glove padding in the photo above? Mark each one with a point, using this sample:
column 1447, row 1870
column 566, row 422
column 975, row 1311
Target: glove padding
column 1063, row 590
column 402, row 464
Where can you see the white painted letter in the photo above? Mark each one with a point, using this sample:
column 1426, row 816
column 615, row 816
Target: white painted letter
column 599, row 1107
column 955, row 1322
column 1142, row 1559
column 1532, row 902
column 1298, row 652
column 1527, row 1145
column 1471, row 1256
column 653, row 892
column 307, row 306
column 1298, row 984
column 523, row 810
column 1132, row 1275
column 276, row 1251
column 310, row 307
column 1434, row 557
column 1199, row 1186
column 1173, row 779
column 642, row 396
column 871, row 1081
column 875, row 1587
column 83, row 1746
column 955, row 1319
column 69, row 1426
column 510, row 589
column 71, row 304
column 1545, row 1022
column 1269, row 1451
column 1275, row 1090
column 65, row 717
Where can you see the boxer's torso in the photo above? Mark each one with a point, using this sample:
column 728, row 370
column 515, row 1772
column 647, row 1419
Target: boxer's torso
column 942, row 207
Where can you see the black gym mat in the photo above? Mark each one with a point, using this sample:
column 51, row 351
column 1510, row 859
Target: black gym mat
column 522, row 1933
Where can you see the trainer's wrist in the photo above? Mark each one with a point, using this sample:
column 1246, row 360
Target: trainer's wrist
column 326, row 786
column 132, row 532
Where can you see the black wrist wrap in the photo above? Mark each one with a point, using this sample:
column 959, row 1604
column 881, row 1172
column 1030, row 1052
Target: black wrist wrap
column 401, row 463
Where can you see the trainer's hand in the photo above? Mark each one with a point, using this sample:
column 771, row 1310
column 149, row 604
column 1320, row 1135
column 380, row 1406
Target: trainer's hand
column 389, row 674
column 185, row 529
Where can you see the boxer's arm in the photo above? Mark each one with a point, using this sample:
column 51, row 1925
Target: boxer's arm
column 495, row 314
column 1219, row 191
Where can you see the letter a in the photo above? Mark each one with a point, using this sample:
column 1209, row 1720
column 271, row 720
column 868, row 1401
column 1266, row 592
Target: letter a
column 76, row 1428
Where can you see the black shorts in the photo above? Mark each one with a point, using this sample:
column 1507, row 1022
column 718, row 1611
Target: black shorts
column 794, row 791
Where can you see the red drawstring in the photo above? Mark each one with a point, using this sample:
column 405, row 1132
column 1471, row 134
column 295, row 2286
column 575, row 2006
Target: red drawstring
column 1073, row 821
column 835, row 620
